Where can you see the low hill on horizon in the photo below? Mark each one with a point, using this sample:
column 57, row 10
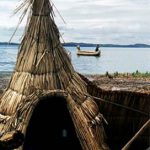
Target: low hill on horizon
column 138, row 45
column 74, row 44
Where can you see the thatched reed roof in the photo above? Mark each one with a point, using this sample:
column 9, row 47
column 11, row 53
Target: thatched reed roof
column 44, row 68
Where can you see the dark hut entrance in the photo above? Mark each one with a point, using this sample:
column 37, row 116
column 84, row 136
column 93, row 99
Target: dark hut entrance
column 51, row 127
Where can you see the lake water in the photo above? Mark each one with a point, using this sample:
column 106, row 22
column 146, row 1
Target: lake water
column 111, row 60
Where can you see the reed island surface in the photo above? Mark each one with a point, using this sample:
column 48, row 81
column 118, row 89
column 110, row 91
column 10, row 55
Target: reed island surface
column 139, row 82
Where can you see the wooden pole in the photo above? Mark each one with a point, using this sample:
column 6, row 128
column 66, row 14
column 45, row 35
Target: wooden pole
column 146, row 125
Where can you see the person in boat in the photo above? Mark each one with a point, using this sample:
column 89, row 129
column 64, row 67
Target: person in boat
column 97, row 47
column 78, row 47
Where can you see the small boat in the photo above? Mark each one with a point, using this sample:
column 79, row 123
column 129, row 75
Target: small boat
column 88, row 52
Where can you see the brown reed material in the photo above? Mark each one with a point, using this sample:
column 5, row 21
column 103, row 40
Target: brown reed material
column 125, row 121
column 43, row 68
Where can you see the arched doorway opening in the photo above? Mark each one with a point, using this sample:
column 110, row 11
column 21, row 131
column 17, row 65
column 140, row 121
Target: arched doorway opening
column 51, row 127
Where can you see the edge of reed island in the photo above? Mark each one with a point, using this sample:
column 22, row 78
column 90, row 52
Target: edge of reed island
column 136, row 81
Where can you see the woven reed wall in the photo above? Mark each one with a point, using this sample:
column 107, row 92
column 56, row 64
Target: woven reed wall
column 122, row 123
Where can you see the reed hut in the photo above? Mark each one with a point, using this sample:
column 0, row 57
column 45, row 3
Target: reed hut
column 46, row 97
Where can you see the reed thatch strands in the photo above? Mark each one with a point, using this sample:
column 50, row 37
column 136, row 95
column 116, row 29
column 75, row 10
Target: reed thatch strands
column 44, row 69
column 11, row 140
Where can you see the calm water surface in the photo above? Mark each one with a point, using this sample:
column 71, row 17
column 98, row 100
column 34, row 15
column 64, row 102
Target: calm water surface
column 111, row 59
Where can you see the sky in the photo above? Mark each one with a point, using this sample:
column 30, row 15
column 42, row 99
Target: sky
column 90, row 21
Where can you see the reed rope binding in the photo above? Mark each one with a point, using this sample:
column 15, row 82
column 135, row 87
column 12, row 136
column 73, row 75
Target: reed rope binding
column 119, row 105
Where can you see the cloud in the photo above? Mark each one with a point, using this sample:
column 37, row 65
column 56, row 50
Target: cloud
column 107, row 21
column 7, row 17
column 6, row 34
column 104, row 21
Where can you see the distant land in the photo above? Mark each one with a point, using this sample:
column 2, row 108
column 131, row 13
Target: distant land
column 73, row 44
column 107, row 45
column 6, row 43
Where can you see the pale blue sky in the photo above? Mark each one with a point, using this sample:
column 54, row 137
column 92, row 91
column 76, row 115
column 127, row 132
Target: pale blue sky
column 94, row 21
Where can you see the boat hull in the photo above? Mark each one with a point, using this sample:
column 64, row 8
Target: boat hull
column 89, row 53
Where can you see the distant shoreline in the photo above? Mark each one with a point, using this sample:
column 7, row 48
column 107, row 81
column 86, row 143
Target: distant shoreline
column 133, row 74
column 73, row 44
